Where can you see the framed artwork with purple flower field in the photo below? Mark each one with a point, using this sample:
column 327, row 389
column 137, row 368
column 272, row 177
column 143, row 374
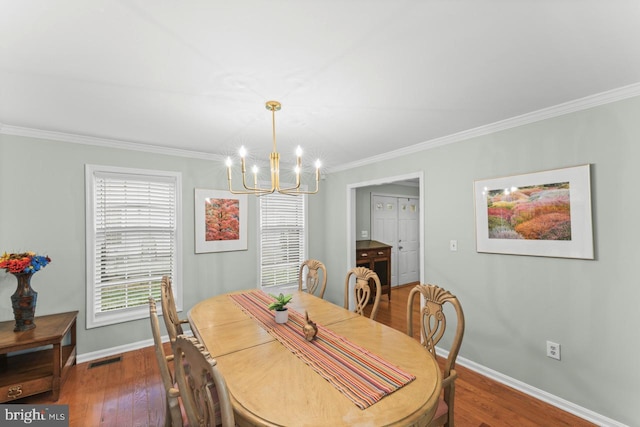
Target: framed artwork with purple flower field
column 545, row 213
column 220, row 221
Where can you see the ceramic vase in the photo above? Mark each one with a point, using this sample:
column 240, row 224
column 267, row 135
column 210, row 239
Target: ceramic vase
column 24, row 303
column 282, row 316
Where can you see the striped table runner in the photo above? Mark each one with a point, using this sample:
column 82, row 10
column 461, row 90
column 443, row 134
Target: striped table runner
column 359, row 374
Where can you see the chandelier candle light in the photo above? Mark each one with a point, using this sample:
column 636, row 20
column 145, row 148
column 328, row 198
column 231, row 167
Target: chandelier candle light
column 274, row 160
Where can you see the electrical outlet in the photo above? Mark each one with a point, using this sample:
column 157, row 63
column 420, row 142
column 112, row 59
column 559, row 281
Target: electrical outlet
column 453, row 245
column 364, row 234
column 553, row 350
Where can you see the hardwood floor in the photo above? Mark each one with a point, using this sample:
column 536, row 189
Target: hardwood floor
column 128, row 392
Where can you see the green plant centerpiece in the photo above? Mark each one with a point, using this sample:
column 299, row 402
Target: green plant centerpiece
column 280, row 307
column 280, row 303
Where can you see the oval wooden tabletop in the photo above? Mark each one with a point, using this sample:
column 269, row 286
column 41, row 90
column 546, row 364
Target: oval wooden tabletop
column 269, row 385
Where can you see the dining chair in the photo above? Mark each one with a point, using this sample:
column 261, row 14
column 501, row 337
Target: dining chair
column 362, row 290
column 433, row 323
column 169, row 311
column 202, row 387
column 312, row 279
column 174, row 414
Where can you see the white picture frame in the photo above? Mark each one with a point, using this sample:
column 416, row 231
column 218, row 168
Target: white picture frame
column 548, row 214
column 220, row 221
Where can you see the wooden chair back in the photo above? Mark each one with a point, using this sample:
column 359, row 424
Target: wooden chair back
column 316, row 285
column 203, row 389
column 433, row 323
column 169, row 311
column 362, row 292
column 173, row 415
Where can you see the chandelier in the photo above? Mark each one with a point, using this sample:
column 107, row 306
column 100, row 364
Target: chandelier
column 274, row 161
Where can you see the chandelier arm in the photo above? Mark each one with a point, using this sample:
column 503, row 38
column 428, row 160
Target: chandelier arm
column 293, row 191
column 255, row 188
column 296, row 193
column 256, row 191
column 248, row 190
column 295, row 188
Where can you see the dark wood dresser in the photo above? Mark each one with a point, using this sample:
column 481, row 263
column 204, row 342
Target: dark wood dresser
column 376, row 256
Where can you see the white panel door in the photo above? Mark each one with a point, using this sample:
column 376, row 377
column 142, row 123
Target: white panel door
column 384, row 228
column 408, row 241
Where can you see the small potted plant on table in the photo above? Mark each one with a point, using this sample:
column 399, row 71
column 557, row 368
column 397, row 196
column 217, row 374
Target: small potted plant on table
column 279, row 305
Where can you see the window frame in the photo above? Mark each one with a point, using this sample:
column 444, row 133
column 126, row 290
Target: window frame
column 305, row 242
column 94, row 317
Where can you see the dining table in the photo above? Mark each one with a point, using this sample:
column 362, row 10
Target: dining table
column 354, row 372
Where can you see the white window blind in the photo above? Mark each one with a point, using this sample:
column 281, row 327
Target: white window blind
column 282, row 238
column 134, row 233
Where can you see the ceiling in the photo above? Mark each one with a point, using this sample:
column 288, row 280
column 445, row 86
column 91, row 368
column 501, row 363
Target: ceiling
column 356, row 78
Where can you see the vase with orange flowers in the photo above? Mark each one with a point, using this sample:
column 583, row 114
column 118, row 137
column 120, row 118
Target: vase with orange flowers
column 24, row 265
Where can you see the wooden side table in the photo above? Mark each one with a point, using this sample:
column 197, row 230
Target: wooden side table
column 43, row 369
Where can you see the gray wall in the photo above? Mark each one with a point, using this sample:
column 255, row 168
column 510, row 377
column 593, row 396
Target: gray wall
column 513, row 304
column 42, row 208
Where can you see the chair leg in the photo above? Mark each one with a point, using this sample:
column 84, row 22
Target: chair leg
column 450, row 402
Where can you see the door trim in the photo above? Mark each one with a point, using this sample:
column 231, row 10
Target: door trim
column 351, row 217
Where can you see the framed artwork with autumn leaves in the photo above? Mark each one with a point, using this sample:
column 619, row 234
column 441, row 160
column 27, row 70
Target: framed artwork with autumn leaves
column 544, row 213
column 221, row 221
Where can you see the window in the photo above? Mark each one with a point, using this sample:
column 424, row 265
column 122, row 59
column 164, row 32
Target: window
column 133, row 239
column 283, row 238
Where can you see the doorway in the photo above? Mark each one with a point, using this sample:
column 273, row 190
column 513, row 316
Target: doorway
column 359, row 226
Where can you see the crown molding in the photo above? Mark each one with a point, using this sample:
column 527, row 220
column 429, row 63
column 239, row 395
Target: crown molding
column 524, row 119
column 585, row 103
column 104, row 142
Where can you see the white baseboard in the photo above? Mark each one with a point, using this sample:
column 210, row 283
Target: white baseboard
column 101, row 354
column 534, row 392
